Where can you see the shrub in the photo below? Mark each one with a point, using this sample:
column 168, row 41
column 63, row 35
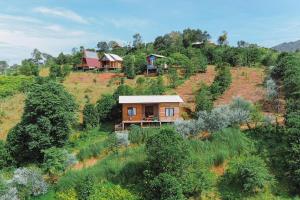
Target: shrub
column 222, row 81
column 48, row 115
column 10, row 85
column 187, row 127
column 69, row 194
column 173, row 78
column 103, row 191
column 204, row 100
column 138, row 135
column 90, row 116
column 104, row 107
column 165, row 186
column 246, row 174
column 28, row 182
column 167, row 152
column 84, row 187
column 5, row 158
column 56, row 161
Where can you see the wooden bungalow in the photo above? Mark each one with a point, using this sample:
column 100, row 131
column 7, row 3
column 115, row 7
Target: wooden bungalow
column 90, row 60
column 151, row 66
column 111, row 61
column 145, row 110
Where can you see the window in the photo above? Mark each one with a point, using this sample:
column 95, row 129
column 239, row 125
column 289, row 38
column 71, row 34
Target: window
column 169, row 112
column 131, row 111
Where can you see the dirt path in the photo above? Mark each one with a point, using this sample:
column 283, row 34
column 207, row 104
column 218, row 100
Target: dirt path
column 188, row 88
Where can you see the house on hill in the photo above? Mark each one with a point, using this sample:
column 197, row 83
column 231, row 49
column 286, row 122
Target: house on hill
column 111, row 61
column 151, row 66
column 146, row 110
column 90, row 60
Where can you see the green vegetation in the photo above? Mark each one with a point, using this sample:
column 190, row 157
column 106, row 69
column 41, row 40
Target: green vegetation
column 48, row 115
column 10, row 85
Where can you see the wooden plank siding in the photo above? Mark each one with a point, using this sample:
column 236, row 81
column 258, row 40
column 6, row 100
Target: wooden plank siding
column 159, row 111
column 162, row 112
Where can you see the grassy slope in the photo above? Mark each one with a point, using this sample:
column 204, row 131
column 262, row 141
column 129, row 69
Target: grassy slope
column 246, row 82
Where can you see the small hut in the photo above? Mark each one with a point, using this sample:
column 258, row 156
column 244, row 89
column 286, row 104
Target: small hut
column 111, row 61
column 151, row 62
column 90, row 60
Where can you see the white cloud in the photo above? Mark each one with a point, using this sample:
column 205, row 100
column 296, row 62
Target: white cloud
column 129, row 23
column 63, row 13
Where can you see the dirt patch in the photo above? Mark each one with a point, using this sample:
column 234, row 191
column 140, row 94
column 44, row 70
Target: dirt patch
column 188, row 89
column 219, row 170
column 246, row 83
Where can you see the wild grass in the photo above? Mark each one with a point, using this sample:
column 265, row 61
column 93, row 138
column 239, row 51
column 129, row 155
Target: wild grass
column 110, row 169
column 11, row 109
column 138, row 135
column 222, row 146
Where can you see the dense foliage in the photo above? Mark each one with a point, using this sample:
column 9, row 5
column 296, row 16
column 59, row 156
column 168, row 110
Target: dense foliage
column 10, row 85
column 48, row 115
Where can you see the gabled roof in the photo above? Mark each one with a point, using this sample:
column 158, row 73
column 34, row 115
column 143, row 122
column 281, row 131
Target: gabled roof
column 111, row 57
column 151, row 99
column 90, row 54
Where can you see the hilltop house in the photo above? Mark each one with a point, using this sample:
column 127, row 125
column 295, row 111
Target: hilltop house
column 151, row 66
column 90, row 60
column 150, row 109
column 111, row 61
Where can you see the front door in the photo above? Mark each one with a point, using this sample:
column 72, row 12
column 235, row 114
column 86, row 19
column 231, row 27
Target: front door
column 149, row 111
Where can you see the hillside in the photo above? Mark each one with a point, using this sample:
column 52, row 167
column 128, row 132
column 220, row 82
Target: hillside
column 288, row 46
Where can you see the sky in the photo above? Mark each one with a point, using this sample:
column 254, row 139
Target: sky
column 55, row 26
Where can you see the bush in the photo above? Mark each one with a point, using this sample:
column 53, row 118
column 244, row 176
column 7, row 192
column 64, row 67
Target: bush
column 5, row 158
column 222, row 81
column 104, row 107
column 69, row 194
column 246, row 175
column 165, row 186
column 10, row 85
column 56, row 161
column 85, row 187
column 167, row 152
column 90, row 116
column 138, row 135
column 48, row 115
column 204, row 100
column 103, row 191
column 28, row 183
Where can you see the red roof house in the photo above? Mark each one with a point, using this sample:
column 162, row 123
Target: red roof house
column 90, row 60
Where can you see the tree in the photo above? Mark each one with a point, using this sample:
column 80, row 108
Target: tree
column 173, row 78
column 199, row 62
column 112, row 45
column 221, row 82
column 103, row 46
column 167, row 152
column 48, row 114
column 194, row 35
column 247, row 175
column 59, row 71
column 204, row 100
column 165, row 187
column 90, row 116
column 137, row 41
column 36, row 56
column 62, row 59
column 223, row 39
column 104, row 107
column 129, row 68
column 3, row 66
column 28, row 68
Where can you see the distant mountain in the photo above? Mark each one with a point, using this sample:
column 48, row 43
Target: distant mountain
column 288, row 46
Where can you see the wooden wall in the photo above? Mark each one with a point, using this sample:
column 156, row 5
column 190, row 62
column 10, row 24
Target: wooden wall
column 163, row 106
column 161, row 112
column 137, row 117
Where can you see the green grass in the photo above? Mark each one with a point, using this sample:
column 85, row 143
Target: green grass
column 121, row 168
column 10, row 85
column 222, row 146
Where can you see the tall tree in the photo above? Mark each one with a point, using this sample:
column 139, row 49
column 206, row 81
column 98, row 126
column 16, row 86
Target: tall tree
column 137, row 41
column 102, row 46
column 48, row 114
